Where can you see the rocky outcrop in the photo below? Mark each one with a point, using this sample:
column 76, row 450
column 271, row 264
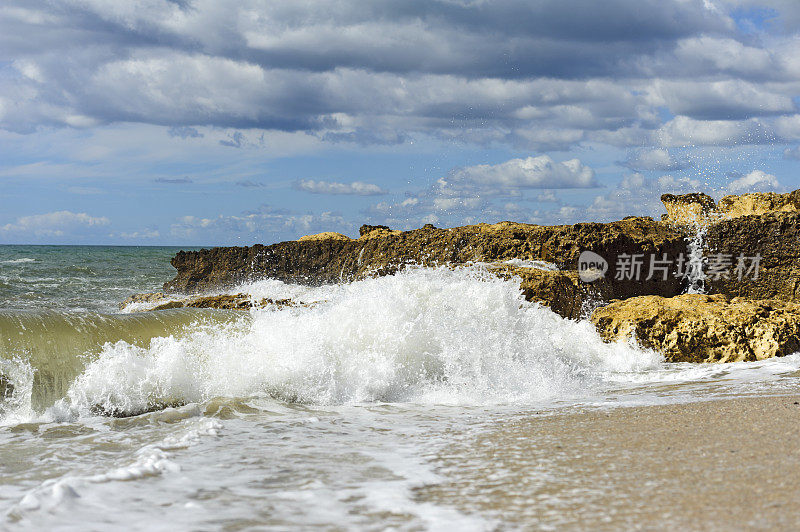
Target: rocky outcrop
column 328, row 235
column 734, row 244
column 375, row 231
column 688, row 209
column 760, row 255
column 750, row 245
column 382, row 251
column 160, row 301
column 368, row 229
column 703, row 328
column 759, row 203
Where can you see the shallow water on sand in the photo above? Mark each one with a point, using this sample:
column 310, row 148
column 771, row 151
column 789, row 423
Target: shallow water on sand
column 388, row 402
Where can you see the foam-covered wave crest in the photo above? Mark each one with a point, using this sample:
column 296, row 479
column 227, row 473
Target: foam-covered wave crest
column 424, row 335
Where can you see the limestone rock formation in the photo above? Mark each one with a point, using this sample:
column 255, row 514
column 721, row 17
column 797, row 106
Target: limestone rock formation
column 772, row 240
column 159, row 301
column 335, row 260
column 367, row 229
column 703, row 328
column 688, row 209
column 759, row 203
column 375, row 231
column 328, row 235
column 753, row 242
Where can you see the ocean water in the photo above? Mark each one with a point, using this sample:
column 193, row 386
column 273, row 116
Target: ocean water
column 348, row 411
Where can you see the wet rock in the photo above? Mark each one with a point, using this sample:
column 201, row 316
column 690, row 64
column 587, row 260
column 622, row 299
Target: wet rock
column 324, row 261
column 225, row 301
column 703, row 328
column 150, row 298
column 772, row 237
column 221, row 301
column 6, row 388
column 688, row 209
column 771, row 240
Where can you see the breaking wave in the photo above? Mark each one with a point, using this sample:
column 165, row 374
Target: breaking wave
column 425, row 335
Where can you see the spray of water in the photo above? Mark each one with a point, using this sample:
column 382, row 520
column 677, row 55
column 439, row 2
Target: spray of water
column 425, row 335
column 695, row 274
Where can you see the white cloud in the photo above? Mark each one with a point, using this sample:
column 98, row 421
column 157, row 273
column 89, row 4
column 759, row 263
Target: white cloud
column 531, row 75
column 724, row 54
column 53, row 224
column 658, row 159
column 547, row 196
column 457, row 203
column 356, row 188
column 792, row 153
column 266, row 224
column 726, row 100
column 510, row 176
column 755, row 181
column 138, row 235
column 684, row 131
column 634, row 195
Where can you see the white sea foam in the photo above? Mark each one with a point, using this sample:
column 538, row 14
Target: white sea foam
column 22, row 260
column 152, row 460
column 536, row 264
column 15, row 406
column 424, row 335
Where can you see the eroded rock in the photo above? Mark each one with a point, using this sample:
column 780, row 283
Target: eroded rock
column 367, row 229
column 220, row 301
column 771, row 239
column 688, row 209
column 328, row 235
column 324, row 261
column 759, row 203
column 375, row 231
column 703, row 328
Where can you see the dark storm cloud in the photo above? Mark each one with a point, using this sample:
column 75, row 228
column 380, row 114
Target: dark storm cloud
column 535, row 75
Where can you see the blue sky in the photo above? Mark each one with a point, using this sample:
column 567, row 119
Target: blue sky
column 206, row 122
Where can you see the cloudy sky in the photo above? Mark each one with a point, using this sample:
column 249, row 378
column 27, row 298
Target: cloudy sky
column 202, row 122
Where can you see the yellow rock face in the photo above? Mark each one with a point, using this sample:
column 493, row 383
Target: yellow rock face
column 379, row 233
column 702, row 328
column 699, row 209
column 689, row 209
column 759, row 203
column 329, row 235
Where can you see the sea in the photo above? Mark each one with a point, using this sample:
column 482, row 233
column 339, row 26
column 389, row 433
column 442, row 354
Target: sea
column 386, row 403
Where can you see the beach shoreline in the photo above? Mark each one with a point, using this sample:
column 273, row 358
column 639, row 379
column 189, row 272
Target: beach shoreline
column 722, row 464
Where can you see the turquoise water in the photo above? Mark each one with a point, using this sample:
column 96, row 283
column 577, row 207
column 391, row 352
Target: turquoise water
column 79, row 278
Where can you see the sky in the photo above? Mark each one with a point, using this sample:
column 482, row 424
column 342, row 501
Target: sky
column 219, row 122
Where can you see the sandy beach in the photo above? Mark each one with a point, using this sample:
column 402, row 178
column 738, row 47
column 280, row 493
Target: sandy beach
column 716, row 465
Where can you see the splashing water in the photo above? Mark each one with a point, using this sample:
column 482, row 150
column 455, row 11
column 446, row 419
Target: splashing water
column 424, row 335
column 322, row 415
column 694, row 267
column 437, row 336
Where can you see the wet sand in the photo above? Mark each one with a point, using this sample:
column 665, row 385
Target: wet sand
column 716, row 465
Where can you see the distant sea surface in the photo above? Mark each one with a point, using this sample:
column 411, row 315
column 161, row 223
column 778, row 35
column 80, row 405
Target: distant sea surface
column 79, row 278
column 415, row 401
